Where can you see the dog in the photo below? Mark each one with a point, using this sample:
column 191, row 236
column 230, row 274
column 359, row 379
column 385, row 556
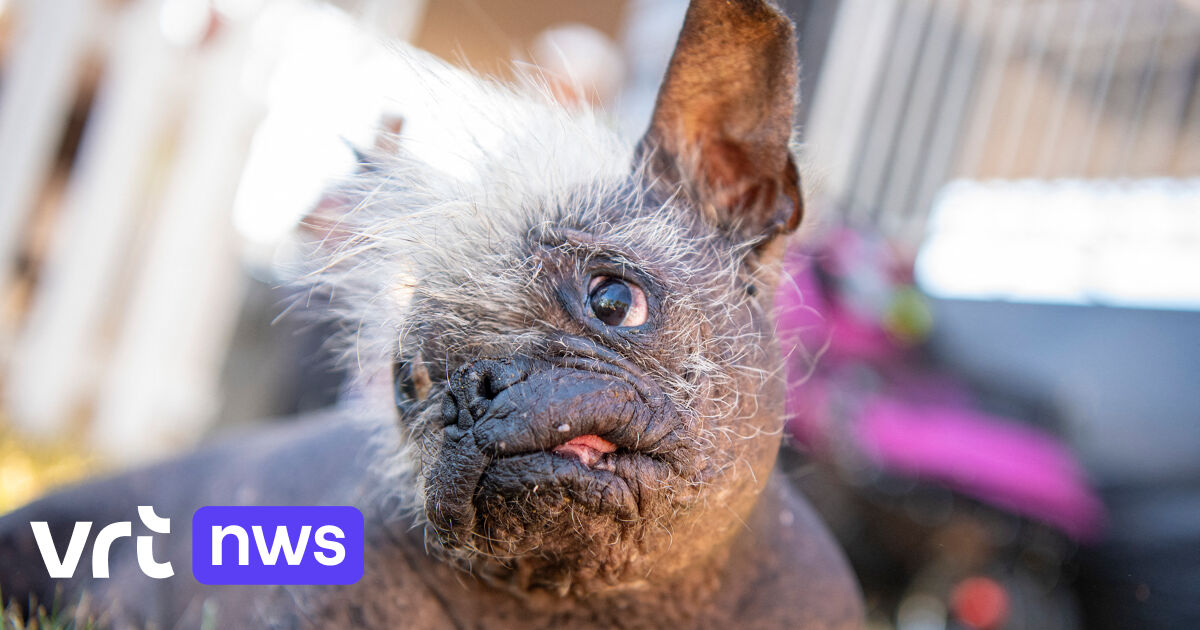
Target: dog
column 586, row 394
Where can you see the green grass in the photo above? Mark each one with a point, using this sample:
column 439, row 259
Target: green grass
column 58, row 617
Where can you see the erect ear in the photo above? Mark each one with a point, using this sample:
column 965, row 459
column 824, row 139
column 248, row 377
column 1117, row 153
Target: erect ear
column 723, row 121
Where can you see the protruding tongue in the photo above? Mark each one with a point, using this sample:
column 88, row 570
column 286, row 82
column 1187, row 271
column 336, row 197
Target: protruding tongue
column 587, row 448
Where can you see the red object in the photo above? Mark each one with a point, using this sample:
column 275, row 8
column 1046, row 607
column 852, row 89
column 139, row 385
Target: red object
column 980, row 603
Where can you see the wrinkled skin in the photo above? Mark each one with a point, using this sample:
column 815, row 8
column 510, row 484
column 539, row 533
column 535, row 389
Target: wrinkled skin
column 782, row 569
column 500, row 499
column 552, row 464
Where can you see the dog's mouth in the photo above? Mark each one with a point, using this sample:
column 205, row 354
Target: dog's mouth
column 588, row 434
column 589, row 449
column 590, row 437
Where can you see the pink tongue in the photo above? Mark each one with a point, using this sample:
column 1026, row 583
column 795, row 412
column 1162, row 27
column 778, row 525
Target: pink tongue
column 587, row 448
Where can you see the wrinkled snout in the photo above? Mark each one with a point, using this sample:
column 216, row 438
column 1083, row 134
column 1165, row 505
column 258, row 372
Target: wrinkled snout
column 560, row 429
column 472, row 388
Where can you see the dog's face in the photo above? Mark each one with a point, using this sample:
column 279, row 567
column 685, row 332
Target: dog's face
column 587, row 379
column 606, row 402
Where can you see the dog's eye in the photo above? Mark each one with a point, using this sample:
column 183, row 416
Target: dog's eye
column 617, row 302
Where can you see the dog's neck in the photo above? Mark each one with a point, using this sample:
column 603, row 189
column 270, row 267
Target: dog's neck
column 492, row 594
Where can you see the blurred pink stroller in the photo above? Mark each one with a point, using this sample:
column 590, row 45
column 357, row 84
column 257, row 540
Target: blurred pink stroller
column 864, row 401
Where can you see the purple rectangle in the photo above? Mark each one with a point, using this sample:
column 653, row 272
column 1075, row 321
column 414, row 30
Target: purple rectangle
column 319, row 544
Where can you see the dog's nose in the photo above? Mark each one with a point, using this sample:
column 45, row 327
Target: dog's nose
column 471, row 390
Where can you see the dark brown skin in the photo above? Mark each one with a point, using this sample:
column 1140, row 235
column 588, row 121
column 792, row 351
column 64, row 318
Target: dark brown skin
column 784, row 570
column 680, row 521
column 724, row 115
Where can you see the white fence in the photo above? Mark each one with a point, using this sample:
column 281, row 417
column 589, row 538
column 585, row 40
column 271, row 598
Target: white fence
column 121, row 265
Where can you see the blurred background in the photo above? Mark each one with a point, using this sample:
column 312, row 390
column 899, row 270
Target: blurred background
column 994, row 319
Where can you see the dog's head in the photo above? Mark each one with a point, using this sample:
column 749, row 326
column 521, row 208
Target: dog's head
column 586, row 374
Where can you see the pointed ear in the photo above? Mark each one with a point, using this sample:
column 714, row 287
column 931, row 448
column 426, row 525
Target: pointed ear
column 723, row 121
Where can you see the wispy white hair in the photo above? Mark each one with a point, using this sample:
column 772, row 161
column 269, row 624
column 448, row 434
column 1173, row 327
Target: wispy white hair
column 473, row 165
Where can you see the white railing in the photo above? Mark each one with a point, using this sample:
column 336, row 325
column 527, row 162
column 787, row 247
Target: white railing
column 119, row 325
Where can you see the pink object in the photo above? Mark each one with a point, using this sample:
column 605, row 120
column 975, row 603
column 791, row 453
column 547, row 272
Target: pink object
column 1012, row 466
column 867, row 389
column 802, row 310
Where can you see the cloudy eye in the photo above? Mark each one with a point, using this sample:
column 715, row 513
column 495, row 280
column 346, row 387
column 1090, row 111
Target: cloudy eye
column 617, row 302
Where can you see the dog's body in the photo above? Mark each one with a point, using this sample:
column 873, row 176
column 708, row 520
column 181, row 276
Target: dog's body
column 589, row 391
column 783, row 570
